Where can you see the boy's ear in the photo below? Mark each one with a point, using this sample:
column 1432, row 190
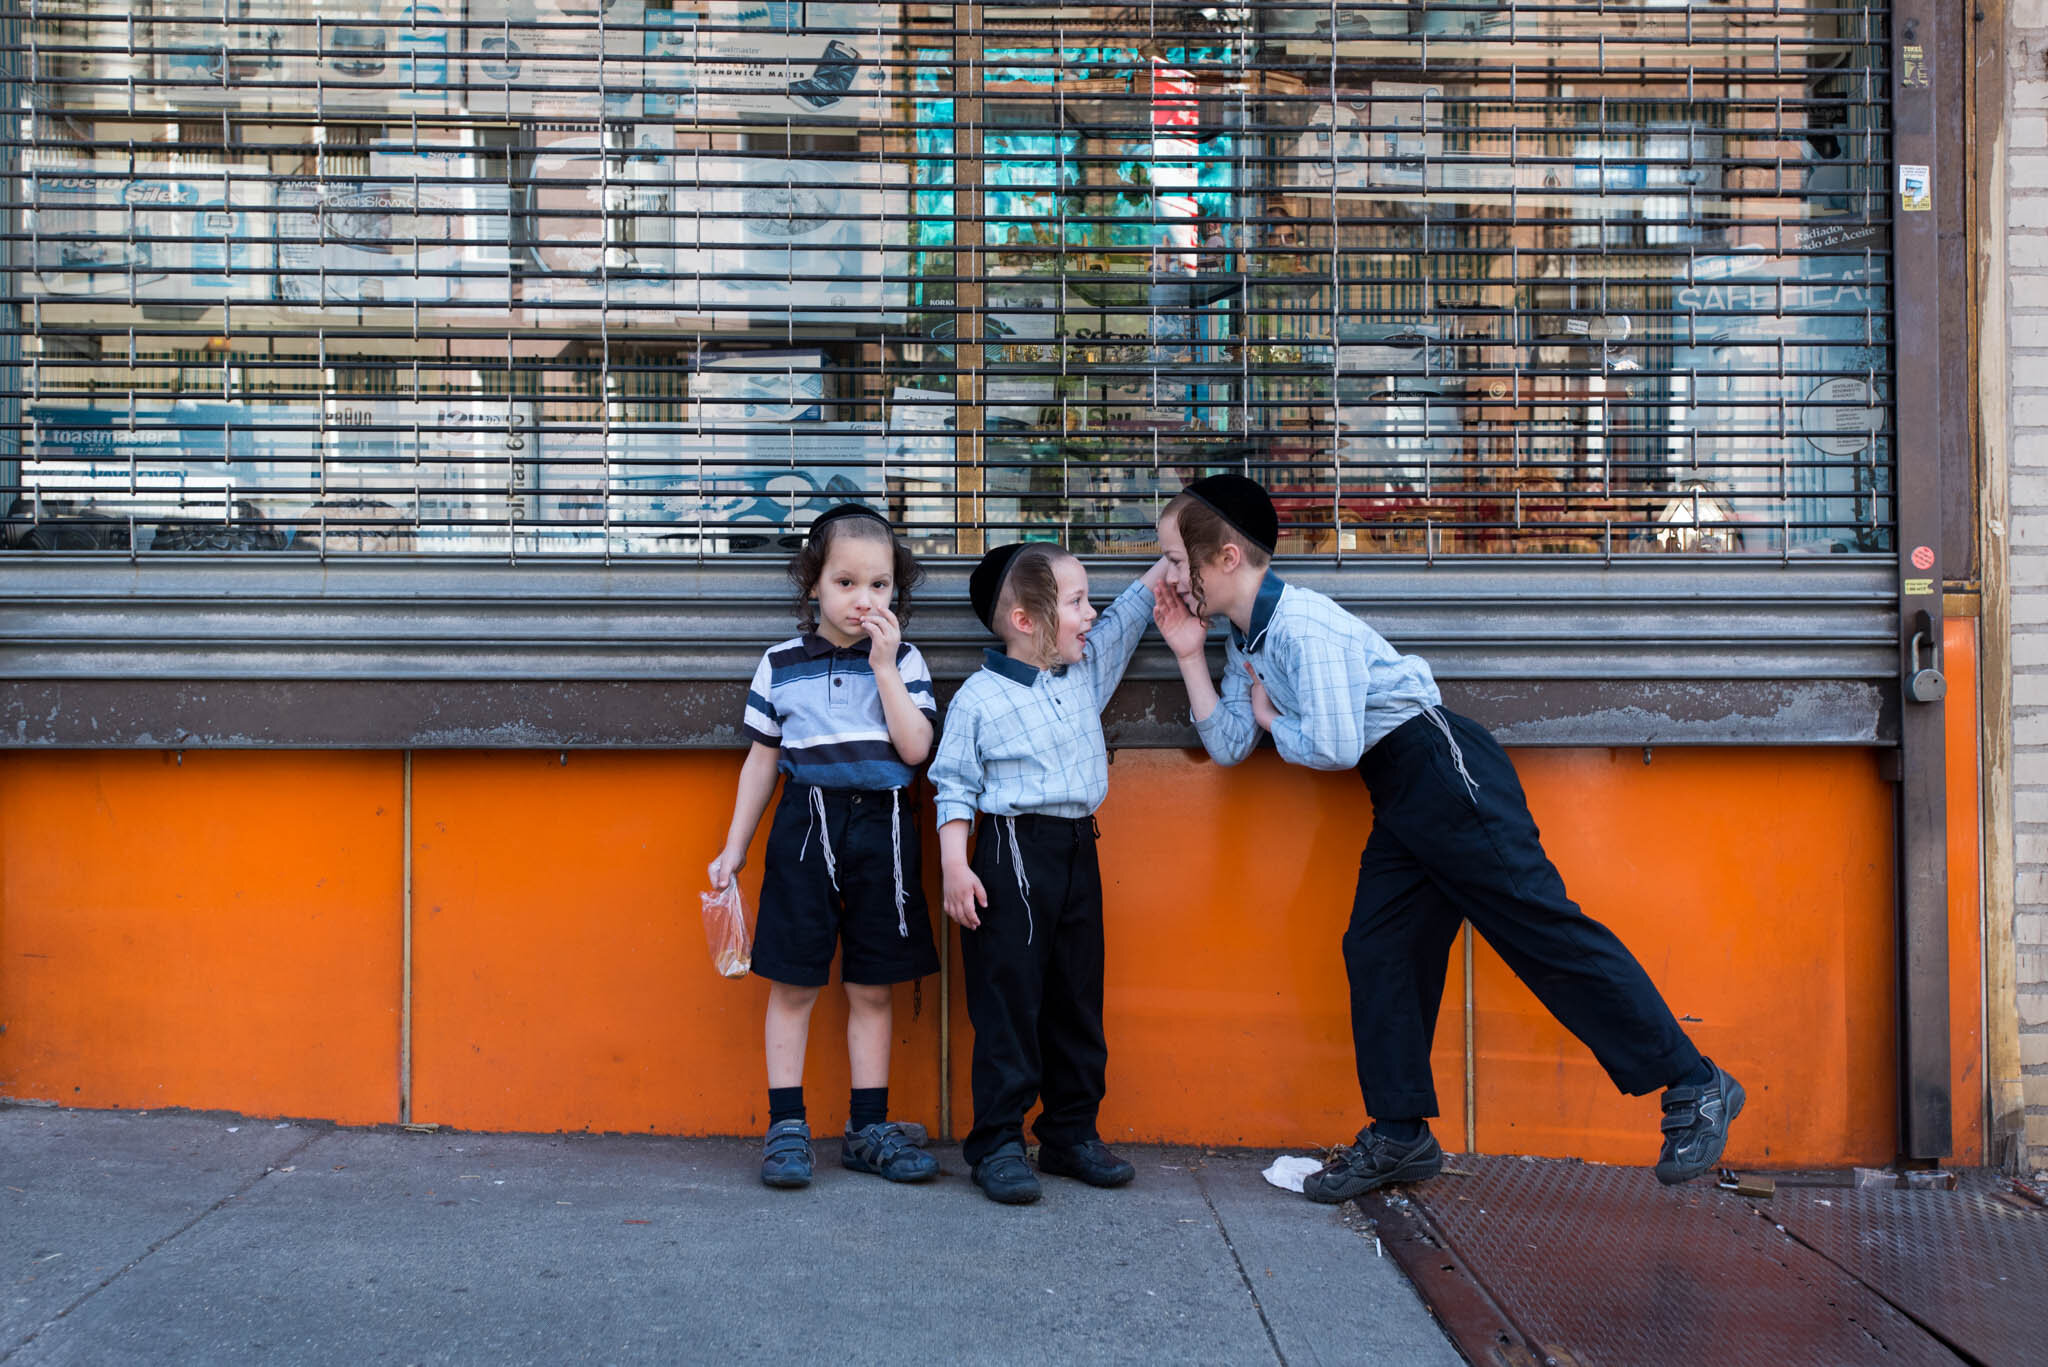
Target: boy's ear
column 1229, row 556
column 1020, row 621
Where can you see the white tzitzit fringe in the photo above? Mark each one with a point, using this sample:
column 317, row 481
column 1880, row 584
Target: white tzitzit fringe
column 896, row 856
column 817, row 822
column 1023, row 883
column 1457, row 755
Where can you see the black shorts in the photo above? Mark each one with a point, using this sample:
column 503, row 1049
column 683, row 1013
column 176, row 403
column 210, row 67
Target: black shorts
column 804, row 918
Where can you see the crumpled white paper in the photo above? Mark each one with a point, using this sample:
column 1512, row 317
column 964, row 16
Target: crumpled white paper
column 1288, row 1171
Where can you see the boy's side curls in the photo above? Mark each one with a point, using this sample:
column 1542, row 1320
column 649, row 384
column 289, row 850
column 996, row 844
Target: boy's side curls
column 1019, row 576
column 1030, row 588
column 849, row 520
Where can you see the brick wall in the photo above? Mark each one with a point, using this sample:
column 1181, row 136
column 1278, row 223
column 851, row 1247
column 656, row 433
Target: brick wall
column 2027, row 302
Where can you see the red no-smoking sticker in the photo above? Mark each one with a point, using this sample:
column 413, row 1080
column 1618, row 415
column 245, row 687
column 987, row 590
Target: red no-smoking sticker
column 1923, row 557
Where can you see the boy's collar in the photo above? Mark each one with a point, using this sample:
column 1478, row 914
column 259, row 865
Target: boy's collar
column 1015, row 670
column 1262, row 613
column 816, row 643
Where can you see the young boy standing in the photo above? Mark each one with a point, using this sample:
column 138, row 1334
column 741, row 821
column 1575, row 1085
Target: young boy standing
column 1452, row 840
column 1022, row 764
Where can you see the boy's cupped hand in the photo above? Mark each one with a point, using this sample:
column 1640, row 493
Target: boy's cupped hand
column 885, row 633
column 964, row 893
column 1184, row 632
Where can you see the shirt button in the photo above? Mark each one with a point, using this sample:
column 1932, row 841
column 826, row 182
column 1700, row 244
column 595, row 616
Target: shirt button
column 839, row 683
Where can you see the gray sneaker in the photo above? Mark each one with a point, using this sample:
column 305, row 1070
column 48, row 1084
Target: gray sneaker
column 1374, row 1161
column 1696, row 1121
column 887, row 1150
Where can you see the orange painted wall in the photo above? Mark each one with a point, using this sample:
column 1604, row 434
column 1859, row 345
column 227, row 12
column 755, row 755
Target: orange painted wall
column 560, row 976
column 218, row 930
column 166, row 938
column 1756, row 888
column 1965, row 892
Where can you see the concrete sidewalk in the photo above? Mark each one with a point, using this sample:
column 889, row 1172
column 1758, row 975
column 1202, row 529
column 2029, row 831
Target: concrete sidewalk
column 155, row 1238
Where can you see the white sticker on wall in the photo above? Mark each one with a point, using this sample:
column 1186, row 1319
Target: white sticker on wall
column 1916, row 189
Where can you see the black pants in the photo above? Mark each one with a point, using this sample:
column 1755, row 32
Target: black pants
column 1033, row 974
column 1441, row 854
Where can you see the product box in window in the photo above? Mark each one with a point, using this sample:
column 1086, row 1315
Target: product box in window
column 184, row 233
column 560, row 59
column 303, row 57
column 388, row 57
column 406, row 234
column 600, row 225
column 87, row 54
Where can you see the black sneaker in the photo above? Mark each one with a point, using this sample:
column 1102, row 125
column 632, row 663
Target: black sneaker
column 1091, row 1162
column 1696, row 1121
column 887, row 1150
column 1374, row 1161
column 1004, row 1176
column 786, row 1158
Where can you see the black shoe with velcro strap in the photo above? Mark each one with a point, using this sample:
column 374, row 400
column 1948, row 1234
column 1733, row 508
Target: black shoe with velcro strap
column 1696, row 1121
column 1374, row 1161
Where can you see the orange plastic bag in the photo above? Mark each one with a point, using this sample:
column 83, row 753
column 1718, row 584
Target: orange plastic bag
column 727, row 933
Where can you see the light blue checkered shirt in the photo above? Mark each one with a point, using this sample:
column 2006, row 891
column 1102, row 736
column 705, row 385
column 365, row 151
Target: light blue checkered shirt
column 1018, row 739
column 1338, row 686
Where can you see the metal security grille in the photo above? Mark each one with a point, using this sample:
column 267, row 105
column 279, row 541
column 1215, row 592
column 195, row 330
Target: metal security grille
column 598, row 277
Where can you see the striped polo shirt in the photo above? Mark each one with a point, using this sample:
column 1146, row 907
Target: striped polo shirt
column 818, row 703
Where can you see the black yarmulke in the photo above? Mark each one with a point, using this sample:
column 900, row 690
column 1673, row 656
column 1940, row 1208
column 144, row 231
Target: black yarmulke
column 985, row 584
column 839, row 510
column 1241, row 502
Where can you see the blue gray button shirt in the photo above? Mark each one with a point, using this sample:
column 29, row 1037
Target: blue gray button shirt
column 1338, row 685
column 1019, row 739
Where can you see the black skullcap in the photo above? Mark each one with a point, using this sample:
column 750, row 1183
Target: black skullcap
column 839, row 510
column 985, row 584
column 1241, row 502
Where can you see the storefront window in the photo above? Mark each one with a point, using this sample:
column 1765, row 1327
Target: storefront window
column 634, row 278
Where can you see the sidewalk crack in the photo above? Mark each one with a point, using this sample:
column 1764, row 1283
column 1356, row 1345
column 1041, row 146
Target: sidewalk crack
column 1202, row 1186
column 137, row 1261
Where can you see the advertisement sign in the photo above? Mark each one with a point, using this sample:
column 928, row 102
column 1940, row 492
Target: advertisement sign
column 741, row 59
column 189, row 233
column 400, row 236
column 452, row 473
column 758, row 386
column 723, row 487
column 182, row 460
column 801, row 240
column 1785, row 348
